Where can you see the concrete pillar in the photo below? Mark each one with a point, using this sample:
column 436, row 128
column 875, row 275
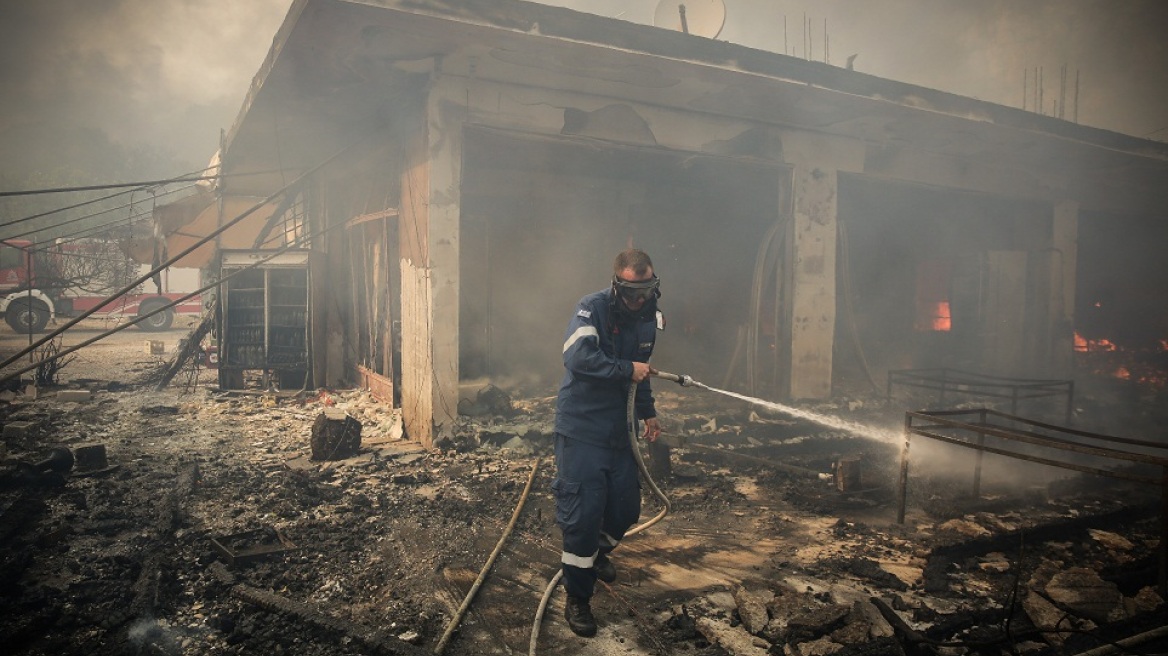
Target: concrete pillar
column 1065, row 246
column 429, row 249
column 809, row 274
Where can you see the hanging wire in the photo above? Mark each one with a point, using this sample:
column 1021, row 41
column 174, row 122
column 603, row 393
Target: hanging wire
column 62, row 209
column 162, row 308
column 90, row 202
column 187, row 251
column 142, row 183
column 91, row 231
column 91, row 215
column 120, row 185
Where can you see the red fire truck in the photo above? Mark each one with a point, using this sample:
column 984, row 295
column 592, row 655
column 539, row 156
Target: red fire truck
column 35, row 287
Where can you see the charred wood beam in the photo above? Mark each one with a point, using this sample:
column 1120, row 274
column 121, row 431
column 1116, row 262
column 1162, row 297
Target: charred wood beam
column 388, row 213
column 171, row 512
column 915, row 640
column 146, row 588
column 773, row 464
column 378, row 642
column 1128, row 645
column 940, row 557
column 194, row 340
column 281, row 209
column 907, row 634
column 977, row 621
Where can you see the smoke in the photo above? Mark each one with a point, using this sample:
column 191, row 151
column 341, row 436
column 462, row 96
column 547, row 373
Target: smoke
column 1116, row 49
column 168, row 75
column 142, row 73
column 975, row 49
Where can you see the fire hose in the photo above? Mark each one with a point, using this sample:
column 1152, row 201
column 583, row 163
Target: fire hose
column 457, row 619
column 680, row 379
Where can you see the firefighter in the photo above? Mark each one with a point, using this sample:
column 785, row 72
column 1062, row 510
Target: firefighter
column 597, row 490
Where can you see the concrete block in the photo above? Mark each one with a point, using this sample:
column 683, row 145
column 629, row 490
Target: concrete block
column 88, row 457
column 75, row 396
column 335, row 435
column 18, row 429
column 154, row 347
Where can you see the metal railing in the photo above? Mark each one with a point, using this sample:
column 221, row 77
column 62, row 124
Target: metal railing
column 950, row 383
column 969, row 429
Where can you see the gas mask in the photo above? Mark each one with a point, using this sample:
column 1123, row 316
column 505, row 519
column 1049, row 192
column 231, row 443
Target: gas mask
column 643, row 292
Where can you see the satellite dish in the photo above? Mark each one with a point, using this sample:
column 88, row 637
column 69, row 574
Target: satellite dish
column 700, row 17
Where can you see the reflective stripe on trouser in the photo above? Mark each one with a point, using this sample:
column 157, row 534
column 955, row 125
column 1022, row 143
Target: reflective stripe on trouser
column 598, row 497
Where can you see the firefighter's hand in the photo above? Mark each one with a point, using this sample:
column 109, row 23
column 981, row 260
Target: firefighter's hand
column 652, row 429
column 641, row 371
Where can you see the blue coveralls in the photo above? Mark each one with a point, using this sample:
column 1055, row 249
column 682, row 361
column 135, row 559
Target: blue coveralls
column 597, row 489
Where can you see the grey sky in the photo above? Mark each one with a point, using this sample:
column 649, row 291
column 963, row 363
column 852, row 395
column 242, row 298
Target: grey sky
column 172, row 73
column 169, row 73
column 976, row 48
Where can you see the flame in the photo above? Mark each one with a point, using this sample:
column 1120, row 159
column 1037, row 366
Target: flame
column 1105, row 358
column 932, row 296
column 934, row 316
column 942, row 320
column 1084, row 345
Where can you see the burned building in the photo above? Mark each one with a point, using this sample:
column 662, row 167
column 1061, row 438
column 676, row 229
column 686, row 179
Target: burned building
column 458, row 173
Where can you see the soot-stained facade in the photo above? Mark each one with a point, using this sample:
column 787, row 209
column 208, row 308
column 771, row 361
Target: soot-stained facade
column 470, row 168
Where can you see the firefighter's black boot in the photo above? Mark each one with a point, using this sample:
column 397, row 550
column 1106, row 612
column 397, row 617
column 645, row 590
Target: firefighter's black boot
column 604, row 569
column 579, row 616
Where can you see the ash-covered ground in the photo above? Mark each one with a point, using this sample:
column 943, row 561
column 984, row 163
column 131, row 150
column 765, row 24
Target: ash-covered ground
column 210, row 530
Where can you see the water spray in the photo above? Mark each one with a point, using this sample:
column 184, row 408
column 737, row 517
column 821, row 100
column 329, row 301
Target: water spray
column 889, row 436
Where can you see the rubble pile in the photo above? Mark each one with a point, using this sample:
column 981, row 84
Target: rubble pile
column 211, row 525
column 989, row 602
column 1059, row 573
column 121, row 559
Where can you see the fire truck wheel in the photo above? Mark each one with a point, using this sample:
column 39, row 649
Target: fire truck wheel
column 27, row 316
column 160, row 321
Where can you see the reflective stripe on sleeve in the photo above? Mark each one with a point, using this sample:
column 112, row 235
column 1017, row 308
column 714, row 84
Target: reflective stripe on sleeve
column 583, row 562
column 581, row 333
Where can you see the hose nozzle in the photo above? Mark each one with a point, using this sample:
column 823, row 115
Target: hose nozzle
column 681, row 379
